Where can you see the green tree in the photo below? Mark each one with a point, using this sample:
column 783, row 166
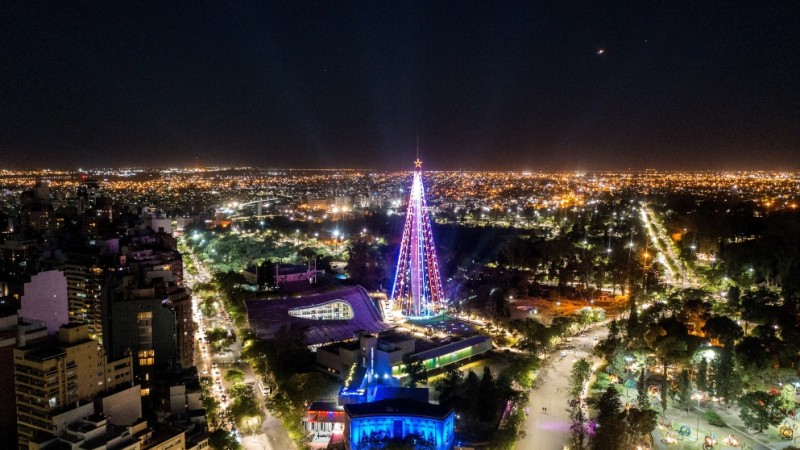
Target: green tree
column 211, row 405
column 726, row 379
column 786, row 398
column 665, row 387
column 734, row 297
column 702, row 375
column 487, row 396
column 759, row 410
column 497, row 304
column 724, row 329
column 633, row 327
column 245, row 407
column 365, row 265
column 580, row 374
column 578, row 430
column 415, row 371
column 266, row 273
column 449, row 386
column 639, row 425
column 290, row 400
column 216, row 335
column 221, row 439
column 234, row 376
column 610, row 429
column 283, row 356
column 642, row 398
column 586, row 316
column 617, row 361
column 671, row 349
column 684, row 390
column 759, row 305
column 536, row 337
column 471, row 386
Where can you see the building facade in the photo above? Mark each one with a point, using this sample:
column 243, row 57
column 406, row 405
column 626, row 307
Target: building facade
column 13, row 333
column 53, row 376
column 396, row 420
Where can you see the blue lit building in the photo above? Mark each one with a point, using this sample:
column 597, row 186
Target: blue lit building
column 396, row 419
column 377, row 408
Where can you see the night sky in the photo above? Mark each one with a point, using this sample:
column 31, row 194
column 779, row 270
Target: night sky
column 501, row 85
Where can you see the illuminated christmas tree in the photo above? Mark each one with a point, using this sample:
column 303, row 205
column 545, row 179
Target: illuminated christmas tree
column 417, row 290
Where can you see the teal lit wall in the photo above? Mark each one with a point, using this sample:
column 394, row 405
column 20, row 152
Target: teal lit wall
column 450, row 358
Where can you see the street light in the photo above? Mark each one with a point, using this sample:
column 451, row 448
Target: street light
column 697, row 396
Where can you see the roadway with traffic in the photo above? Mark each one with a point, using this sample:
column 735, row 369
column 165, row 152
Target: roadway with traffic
column 676, row 273
column 272, row 435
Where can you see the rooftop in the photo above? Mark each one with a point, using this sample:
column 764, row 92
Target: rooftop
column 268, row 316
column 44, row 353
column 450, row 348
column 401, row 407
column 324, row 407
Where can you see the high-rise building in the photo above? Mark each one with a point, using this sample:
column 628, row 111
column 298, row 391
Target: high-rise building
column 85, row 273
column 13, row 333
column 417, row 290
column 18, row 261
column 154, row 326
column 165, row 265
column 88, row 193
column 51, row 377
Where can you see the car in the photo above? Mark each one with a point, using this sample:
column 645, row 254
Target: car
column 563, row 353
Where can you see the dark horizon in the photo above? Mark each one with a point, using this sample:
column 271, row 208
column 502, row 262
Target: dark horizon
column 321, row 85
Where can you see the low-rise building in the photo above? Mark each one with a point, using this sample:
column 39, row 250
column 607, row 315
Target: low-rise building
column 322, row 422
column 388, row 351
column 396, row 419
column 451, row 353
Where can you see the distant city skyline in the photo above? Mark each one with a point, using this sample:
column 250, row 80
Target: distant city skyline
column 324, row 85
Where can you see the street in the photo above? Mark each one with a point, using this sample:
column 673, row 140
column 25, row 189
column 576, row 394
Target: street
column 676, row 273
column 272, row 435
column 549, row 430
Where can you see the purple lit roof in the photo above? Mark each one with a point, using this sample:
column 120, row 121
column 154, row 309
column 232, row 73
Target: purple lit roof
column 268, row 316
